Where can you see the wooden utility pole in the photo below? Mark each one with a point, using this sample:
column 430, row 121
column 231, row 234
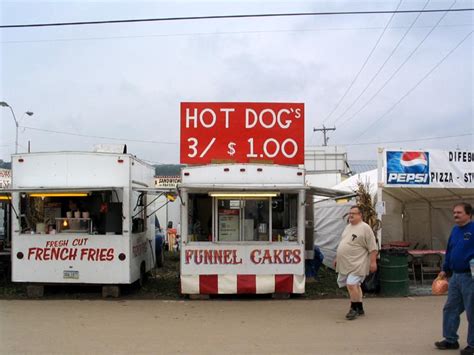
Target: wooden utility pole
column 324, row 130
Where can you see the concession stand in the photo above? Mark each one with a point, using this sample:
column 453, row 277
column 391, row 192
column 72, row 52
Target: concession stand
column 82, row 218
column 417, row 190
column 243, row 198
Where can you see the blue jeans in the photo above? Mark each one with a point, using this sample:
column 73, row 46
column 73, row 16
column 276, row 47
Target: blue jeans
column 460, row 299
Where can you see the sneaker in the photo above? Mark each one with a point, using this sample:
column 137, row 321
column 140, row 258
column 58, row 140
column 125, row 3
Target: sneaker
column 360, row 312
column 446, row 345
column 352, row 314
column 468, row 350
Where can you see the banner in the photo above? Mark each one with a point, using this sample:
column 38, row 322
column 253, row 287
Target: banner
column 429, row 168
column 229, row 132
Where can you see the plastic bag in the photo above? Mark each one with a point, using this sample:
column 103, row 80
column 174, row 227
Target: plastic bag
column 439, row 286
column 371, row 283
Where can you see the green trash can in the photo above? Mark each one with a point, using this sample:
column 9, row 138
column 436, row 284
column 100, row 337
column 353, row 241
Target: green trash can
column 393, row 265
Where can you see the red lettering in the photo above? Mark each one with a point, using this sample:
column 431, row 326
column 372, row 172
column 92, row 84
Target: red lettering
column 103, row 254
column 46, row 254
column 188, row 255
column 276, row 255
column 234, row 257
column 254, row 254
column 227, row 259
column 110, row 254
column 267, row 257
column 198, row 257
column 39, row 254
column 218, row 256
column 55, row 253
column 296, row 256
column 287, row 256
column 72, row 254
column 83, row 253
column 208, row 257
column 31, row 251
column 92, row 254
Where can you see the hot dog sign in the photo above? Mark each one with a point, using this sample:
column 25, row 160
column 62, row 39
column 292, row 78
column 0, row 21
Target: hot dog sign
column 242, row 133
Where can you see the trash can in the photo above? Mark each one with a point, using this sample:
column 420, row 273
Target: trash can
column 394, row 272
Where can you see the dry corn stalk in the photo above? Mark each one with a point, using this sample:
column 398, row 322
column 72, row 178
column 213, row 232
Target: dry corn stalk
column 367, row 206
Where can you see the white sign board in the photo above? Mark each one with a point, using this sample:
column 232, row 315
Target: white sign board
column 167, row 181
column 428, row 168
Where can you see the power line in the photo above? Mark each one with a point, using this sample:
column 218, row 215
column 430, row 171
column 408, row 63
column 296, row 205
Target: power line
column 399, row 67
column 100, row 137
column 363, row 65
column 217, row 17
column 411, row 140
column 382, row 66
column 417, row 84
column 190, row 34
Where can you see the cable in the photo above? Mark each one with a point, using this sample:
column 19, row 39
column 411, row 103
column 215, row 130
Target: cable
column 221, row 33
column 382, row 66
column 411, row 140
column 100, row 137
column 363, row 65
column 399, row 67
column 217, row 17
column 417, row 84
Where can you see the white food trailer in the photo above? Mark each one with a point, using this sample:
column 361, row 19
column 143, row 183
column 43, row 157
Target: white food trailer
column 81, row 218
column 242, row 229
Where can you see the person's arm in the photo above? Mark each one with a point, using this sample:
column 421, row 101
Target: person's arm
column 445, row 269
column 373, row 261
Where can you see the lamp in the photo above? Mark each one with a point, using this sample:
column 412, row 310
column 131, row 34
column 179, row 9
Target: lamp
column 29, row 113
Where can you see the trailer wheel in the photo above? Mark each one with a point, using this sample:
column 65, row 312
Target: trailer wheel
column 143, row 275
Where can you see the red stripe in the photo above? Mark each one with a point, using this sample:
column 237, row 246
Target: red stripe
column 208, row 284
column 283, row 283
column 246, row 284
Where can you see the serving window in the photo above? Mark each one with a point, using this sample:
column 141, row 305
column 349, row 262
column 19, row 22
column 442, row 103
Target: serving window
column 96, row 212
column 242, row 218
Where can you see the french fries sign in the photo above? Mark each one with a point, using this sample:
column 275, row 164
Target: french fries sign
column 213, row 132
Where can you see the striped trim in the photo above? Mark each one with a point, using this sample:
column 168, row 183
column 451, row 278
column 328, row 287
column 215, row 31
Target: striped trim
column 242, row 284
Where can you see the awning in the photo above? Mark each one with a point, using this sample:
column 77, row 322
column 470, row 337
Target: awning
column 330, row 193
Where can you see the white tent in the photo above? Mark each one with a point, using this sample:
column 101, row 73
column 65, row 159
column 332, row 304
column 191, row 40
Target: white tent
column 329, row 221
column 416, row 208
column 419, row 189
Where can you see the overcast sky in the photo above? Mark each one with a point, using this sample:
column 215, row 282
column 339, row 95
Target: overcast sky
column 127, row 80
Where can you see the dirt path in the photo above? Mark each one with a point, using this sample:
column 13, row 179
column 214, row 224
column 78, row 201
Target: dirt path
column 391, row 326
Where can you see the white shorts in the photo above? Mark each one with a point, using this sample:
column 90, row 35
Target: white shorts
column 344, row 280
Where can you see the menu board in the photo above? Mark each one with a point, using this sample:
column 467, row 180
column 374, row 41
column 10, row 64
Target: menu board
column 229, row 225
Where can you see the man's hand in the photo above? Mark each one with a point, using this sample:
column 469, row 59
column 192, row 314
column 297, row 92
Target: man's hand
column 373, row 267
column 442, row 275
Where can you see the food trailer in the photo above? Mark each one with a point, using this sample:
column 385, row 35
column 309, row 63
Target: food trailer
column 81, row 218
column 243, row 198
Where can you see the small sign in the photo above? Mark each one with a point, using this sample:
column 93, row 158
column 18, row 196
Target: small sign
column 71, row 274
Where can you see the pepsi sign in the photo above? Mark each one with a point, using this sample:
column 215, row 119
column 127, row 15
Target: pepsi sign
column 408, row 168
